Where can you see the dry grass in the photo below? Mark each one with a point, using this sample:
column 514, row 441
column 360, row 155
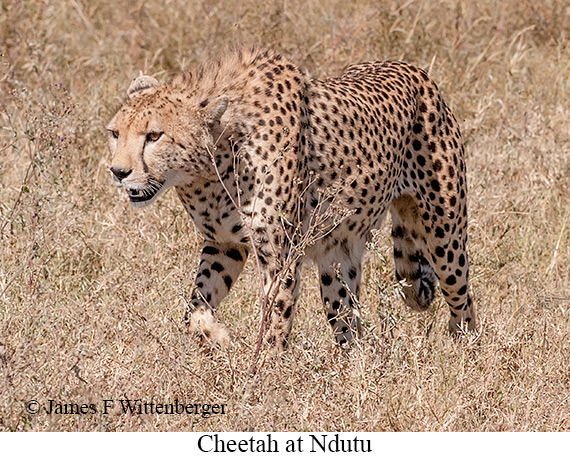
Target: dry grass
column 90, row 288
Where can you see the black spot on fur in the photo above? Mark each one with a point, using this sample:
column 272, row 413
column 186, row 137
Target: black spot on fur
column 234, row 254
column 326, row 279
column 210, row 250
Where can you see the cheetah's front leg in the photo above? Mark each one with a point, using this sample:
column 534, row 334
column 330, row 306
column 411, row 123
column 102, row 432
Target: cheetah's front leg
column 281, row 291
column 340, row 272
column 220, row 266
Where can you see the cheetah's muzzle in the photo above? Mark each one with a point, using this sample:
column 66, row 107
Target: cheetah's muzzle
column 144, row 196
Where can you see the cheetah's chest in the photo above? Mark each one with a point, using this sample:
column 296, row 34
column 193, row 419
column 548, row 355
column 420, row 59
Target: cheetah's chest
column 213, row 213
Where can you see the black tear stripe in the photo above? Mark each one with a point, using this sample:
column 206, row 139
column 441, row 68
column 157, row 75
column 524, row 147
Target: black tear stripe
column 145, row 166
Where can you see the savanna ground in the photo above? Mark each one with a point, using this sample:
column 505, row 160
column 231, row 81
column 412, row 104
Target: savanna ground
column 92, row 290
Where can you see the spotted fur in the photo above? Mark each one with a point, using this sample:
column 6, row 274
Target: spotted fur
column 268, row 160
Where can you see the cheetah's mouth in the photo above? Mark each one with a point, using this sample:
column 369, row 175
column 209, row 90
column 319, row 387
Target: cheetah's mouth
column 145, row 195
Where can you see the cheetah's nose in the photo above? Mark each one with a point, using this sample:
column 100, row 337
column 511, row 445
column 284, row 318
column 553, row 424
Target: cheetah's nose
column 120, row 173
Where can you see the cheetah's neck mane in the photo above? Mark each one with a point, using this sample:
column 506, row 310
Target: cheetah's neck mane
column 230, row 75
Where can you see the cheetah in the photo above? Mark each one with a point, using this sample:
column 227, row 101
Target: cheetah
column 269, row 161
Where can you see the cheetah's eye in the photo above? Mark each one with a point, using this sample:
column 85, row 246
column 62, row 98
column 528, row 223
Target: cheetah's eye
column 151, row 137
column 114, row 134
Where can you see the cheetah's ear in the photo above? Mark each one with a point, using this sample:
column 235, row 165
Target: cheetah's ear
column 141, row 83
column 212, row 110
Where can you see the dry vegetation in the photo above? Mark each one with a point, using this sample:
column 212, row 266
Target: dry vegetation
column 91, row 289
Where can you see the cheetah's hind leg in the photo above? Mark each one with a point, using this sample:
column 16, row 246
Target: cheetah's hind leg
column 413, row 270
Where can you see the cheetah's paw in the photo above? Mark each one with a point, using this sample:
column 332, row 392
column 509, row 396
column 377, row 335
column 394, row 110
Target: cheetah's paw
column 203, row 323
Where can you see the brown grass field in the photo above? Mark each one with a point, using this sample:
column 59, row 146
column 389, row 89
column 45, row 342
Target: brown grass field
column 92, row 290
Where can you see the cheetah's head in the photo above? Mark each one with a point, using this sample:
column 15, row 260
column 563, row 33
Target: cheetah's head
column 159, row 138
